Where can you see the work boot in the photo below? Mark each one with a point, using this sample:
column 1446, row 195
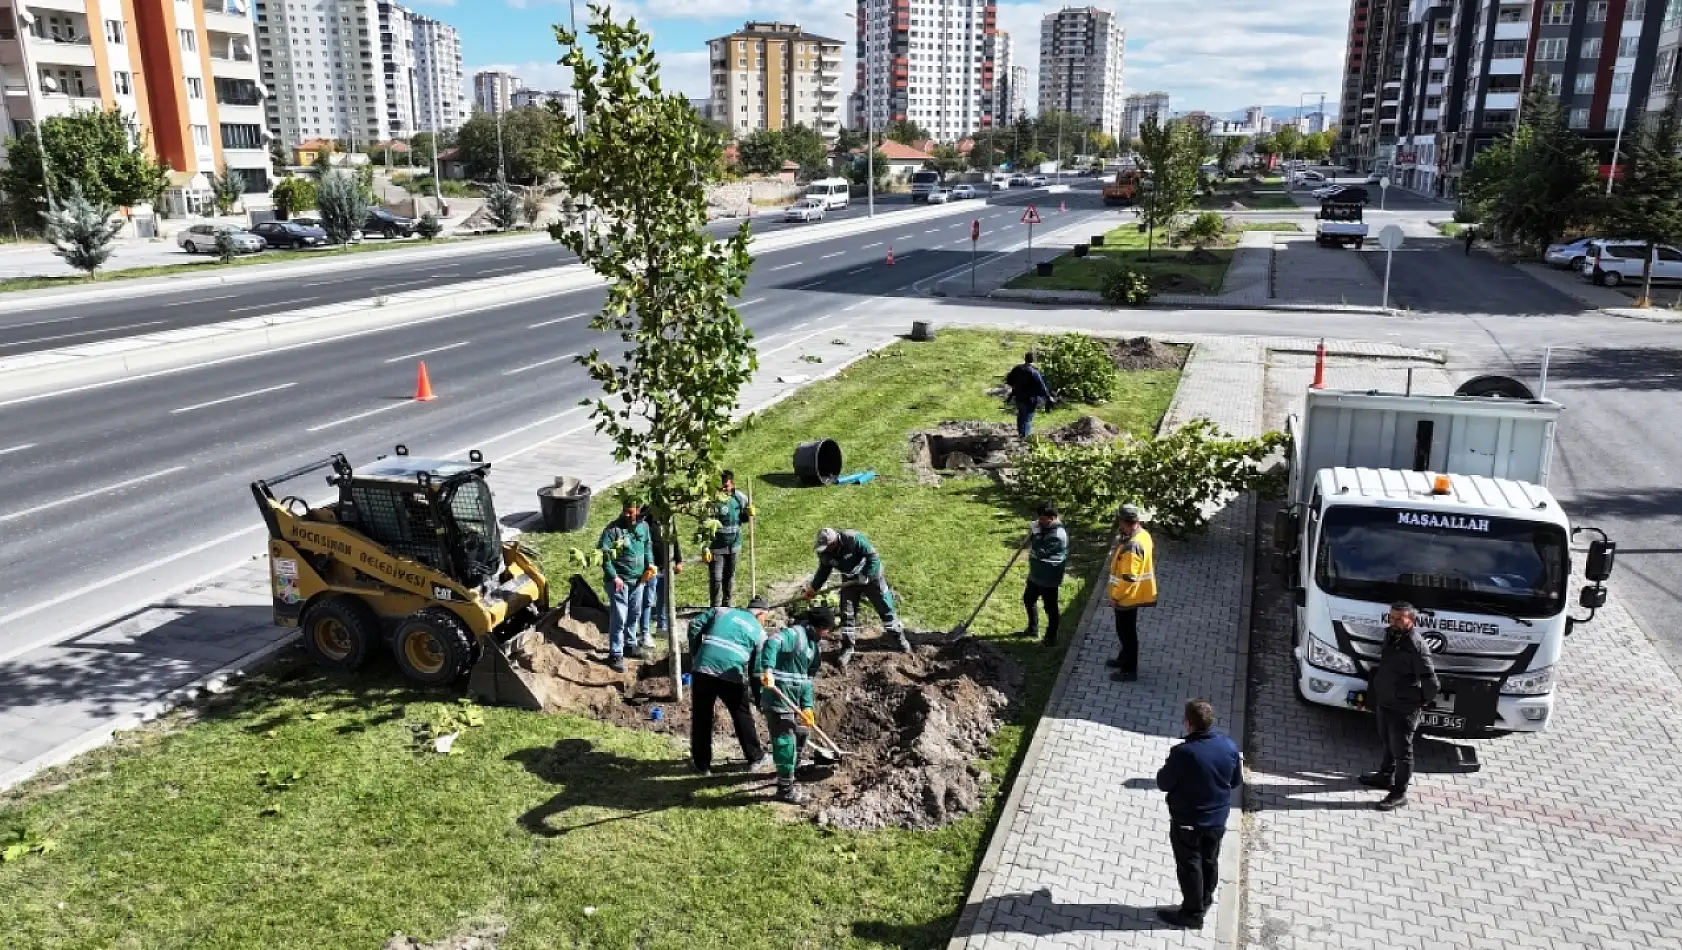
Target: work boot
column 1380, row 780
column 1029, row 633
column 1123, row 676
column 904, row 644
column 616, row 664
column 760, row 764
column 1050, row 639
column 790, row 794
column 1113, row 662
column 1392, row 801
column 1174, row 917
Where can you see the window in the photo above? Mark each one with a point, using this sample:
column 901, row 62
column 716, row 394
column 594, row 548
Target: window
column 1620, row 81
column 1597, row 11
column 1591, row 49
column 189, row 41
column 1552, row 82
column 242, row 136
column 195, row 87
column 1579, row 118
column 1550, row 50
column 1628, row 46
column 1436, row 77
column 1635, row 10
column 1585, row 84
column 1508, row 49
column 121, row 83
column 1614, row 119
column 114, row 31
column 1556, row 14
column 201, row 135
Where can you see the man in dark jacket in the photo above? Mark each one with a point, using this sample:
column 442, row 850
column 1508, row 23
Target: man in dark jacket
column 851, row 555
column 1402, row 684
column 1199, row 777
column 658, row 596
column 1048, row 553
column 1028, row 393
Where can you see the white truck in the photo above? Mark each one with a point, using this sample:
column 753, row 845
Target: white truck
column 924, row 183
column 1440, row 501
column 1339, row 223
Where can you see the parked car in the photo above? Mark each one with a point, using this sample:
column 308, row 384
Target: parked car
column 938, row 196
column 1612, row 262
column 289, row 234
column 806, row 209
column 1570, row 255
column 1374, row 178
column 313, row 222
column 961, row 192
column 1037, row 181
column 1343, row 194
column 1018, row 181
column 386, row 224
column 1310, row 178
column 201, row 239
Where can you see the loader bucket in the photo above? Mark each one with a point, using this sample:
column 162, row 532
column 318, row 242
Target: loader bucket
column 496, row 681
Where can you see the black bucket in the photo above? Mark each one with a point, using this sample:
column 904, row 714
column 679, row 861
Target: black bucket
column 1081, row 249
column 564, row 512
column 1044, row 268
column 1097, row 240
column 818, row 463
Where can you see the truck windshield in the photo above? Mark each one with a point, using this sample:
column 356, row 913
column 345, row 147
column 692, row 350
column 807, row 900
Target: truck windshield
column 1443, row 560
column 925, row 178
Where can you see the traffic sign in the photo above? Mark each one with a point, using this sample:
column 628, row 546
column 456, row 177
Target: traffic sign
column 975, row 230
column 1031, row 216
column 1384, row 183
column 1390, row 237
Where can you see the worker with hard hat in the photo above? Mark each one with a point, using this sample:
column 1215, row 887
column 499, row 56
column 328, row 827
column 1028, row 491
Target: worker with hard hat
column 722, row 644
column 850, row 554
column 788, row 660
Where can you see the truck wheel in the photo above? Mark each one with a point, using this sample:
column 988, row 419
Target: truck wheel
column 1501, row 387
column 1610, row 278
column 339, row 632
column 433, row 647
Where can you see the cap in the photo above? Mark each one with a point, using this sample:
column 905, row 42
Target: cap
column 759, row 603
column 1130, row 514
column 821, row 618
column 826, row 539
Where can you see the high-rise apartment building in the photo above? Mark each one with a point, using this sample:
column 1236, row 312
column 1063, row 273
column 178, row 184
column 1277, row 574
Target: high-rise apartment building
column 776, row 75
column 543, row 98
column 493, row 91
column 926, row 61
column 324, row 65
column 1136, row 108
column 397, row 54
column 1080, row 66
column 1004, row 100
column 1372, row 81
column 186, row 73
column 440, row 102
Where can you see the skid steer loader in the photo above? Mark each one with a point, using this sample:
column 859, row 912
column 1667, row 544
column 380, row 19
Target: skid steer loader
column 409, row 555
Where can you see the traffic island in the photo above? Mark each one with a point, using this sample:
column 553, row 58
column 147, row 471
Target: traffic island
column 1171, row 268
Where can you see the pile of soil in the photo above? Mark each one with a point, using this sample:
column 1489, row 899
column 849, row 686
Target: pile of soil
column 1084, row 431
column 477, row 938
column 1178, row 284
column 914, row 723
column 1235, row 206
column 1142, row 352
column 1201, row 256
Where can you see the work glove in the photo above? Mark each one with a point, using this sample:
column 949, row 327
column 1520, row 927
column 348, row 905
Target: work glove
column 767, row 678
column 807, row 593
column 649, row 572
column 808, row 718
column 706, row 557
column 752, row 512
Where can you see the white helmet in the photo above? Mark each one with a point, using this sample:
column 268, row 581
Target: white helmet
column 827, row 538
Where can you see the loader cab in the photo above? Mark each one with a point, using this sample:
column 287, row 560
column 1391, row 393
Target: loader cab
column 434, row 511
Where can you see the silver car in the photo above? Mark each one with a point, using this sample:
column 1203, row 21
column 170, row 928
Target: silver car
column 201, row 239
column 939, row 196
column 806, row 209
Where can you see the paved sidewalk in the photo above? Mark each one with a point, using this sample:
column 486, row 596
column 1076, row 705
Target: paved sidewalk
column 1605, row 299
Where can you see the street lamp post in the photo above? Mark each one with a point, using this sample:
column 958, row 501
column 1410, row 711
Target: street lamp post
column 869, row 126
column 31, row 81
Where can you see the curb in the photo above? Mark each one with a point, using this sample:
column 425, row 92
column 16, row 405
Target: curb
column 1092, row 298
column 1229, row 920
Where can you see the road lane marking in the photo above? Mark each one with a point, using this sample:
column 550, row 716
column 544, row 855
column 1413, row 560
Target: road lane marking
column 182, row 303
column 436, row 349
column 101, row 490
column 857, row 271
column 787, row 266
column 395, row 404
column 819, row 332
column 66, row 336
column 794, row 329
column 749, row 303
column 809, row 286
column 17, row 448
column 265, row 306
column 218, row 402
column 403, row 283
column 871, row 245
column 547, row 323
column 932, row 231
column 962, row 240
column 520, row 369
column 502, row 270
column 906, row 237
column 318, row 283
column 836, row 254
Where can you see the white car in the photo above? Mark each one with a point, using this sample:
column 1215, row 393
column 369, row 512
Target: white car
column 1018, row 181
column 1037, row 181
column 201, row 239
column 1325, row 190
column 1305, row 178
column 1610, row 263
column 961, row 192
column 1375, row 178
column 806, row 209
column 938, row 196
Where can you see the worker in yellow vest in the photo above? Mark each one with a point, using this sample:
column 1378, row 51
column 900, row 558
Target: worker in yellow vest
column 1132, row 585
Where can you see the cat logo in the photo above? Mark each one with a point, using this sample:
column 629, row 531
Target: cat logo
column 441, row 593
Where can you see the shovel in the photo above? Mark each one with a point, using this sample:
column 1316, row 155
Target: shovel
column 962, row 630
column 815, row 727
column 753, row 556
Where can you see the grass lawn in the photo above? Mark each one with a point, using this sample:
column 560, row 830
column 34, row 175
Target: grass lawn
column 1269, row 226
column 570, row 832
column 1259, row 201
column 1448, row 228
column 1125, row 245
column 208, row 263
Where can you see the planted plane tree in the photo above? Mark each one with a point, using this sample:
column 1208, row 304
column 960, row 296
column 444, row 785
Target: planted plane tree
column 668, row 393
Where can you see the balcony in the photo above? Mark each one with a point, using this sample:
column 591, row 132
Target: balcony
column 227, row 16
column 1506, row 67
column 64, row 42
column 1500, row 101
column 1512, row 31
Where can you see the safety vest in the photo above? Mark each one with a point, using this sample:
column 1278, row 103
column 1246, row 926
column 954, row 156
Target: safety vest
column 1135, row 556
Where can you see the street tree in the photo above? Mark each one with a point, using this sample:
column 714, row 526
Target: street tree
column 502, row 204
column 860, row 172
column 848, row 140
column 421, row 146
column 984, row 154
column 905, row 132
column 1227, row 152
column 1287, row 141
column 761, row 153
column 101, row 151
column 1169, row 155
column 531, row 205
column 1648, row 205
column 804, row 146
column 525, row 134
column 1537, row 182
column 293, row 196
column 947, row 159
column 82, row 230
column 343, row 208
column 228, row 187
column 671, row 385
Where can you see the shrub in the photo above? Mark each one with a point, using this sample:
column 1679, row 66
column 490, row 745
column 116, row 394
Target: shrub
column 343, row 207
column 1203, row 230
column 293, row 196
column 1079, row 478
column 502, row 205
column 531, row 206
column 225, row 249
column 1078, row 368
column 428, row 227
column 81, row 230
column 1122, row 284
column 1465, row 215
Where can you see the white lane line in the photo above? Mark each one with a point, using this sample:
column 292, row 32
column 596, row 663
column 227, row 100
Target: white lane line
column 794, row 329
column 394, row 404
column 906, row 237
column 549, row 323
column 502, row 270
column 871, row 245
column 857, row 271
column 749, row 303
column 266, row 306
column 932, row 231
column 836, row 254
column 809, row 286
column 66, row 336
column 436, row 349
column 101, row 490
column 17, row 448
column 403, row 283
column 962, row 240
column 854, row 306
column 196, row 300
column 218, row 402
column 318, row 283
column 520, row 369
column 819, row 332
column 985, row 233
column 787, row 266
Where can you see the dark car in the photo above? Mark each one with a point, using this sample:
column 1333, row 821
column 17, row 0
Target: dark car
column 383, row 222
column 290, row 234
column 1347, row 195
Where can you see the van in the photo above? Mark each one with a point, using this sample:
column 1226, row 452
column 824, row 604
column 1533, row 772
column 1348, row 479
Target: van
column 833, row 192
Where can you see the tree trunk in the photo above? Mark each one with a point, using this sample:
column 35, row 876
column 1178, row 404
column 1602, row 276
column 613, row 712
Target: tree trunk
column 668, row 609
column 1646, row 278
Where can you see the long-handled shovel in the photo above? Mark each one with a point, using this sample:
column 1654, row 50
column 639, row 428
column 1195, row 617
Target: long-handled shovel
column 815, row 727
column 753, row 556
column 962, row 630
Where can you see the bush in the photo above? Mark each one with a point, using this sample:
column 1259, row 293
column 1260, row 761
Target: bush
column 1174, row 476
column 1465, row 215
column 343, row 208
column 1078, row 369
column 225, row 249
column 293, row 196
column 1122, row 284
column 82, row 230
column 1203, row 230
column 428, row 227
column 502, row 205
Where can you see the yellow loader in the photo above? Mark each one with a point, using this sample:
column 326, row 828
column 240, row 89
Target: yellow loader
column 409, row 555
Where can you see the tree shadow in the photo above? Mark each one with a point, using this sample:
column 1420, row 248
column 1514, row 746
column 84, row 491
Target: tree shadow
column 1036, row 914
column 1613, row 369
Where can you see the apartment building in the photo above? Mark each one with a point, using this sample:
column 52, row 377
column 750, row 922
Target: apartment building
column 1081, row 64
column 325, row 64
column 926, row 61
column 440, row 102
column 397, row 56
column 1136, row 108
column 773, row 76
column 493, row 91
column 1372, row 83
column 1004, row 100
column 184, row 70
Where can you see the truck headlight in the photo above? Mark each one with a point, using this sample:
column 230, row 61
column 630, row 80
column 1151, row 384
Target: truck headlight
column 1534, row 683
column 1326, row 657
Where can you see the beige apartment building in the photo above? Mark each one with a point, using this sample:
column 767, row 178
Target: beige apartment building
column 776, row 75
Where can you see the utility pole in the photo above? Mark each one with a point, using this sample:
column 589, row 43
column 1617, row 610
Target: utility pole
column 32, row 81
column 869, row 122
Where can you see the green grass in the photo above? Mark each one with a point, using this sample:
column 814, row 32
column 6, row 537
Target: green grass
column 1268, row 226
column 1260, row 201
column 163, row 841
column 1126, row 245
column 1448, row 228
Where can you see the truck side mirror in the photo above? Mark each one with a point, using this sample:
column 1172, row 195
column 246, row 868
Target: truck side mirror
column 1602, row 554
column 1284, row 530
column 1593, row 598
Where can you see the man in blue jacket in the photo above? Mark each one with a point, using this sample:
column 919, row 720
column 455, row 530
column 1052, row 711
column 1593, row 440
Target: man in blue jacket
column 1028, row 393
column 1199, row 777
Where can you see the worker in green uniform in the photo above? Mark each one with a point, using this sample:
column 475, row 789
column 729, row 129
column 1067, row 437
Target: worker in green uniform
column 627, row 567
column 850, row 554
column 722, row 644
column 730, row 510
column 789, row 659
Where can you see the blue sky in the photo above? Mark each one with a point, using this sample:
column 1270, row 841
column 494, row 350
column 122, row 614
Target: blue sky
column 1235, row 53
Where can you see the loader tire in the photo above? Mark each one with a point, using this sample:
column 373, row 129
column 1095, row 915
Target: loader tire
column 339, row 632
column 433, row 647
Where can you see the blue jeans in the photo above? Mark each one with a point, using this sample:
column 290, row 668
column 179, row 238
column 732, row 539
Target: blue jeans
column 624, row 616
column 1024, row 419
column 654, row 605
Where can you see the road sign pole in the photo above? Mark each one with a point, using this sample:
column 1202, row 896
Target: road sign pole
column 1388, row 257
column 1389, row 238
column 1030, row 245
column 972, row 268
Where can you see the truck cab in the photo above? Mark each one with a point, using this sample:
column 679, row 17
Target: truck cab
column 925, row 183
column 1339, row 224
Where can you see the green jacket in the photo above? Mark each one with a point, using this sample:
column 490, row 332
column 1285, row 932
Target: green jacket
column 626, row 551
column 793, row 657
column 730, row 511
column 722, row 642
column 1048, row 553
column 853, row 557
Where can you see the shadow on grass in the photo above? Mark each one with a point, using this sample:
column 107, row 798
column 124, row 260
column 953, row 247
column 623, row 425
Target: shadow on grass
column 593, row 777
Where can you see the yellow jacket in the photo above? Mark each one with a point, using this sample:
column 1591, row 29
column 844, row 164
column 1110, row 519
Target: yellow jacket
column 1135, row 558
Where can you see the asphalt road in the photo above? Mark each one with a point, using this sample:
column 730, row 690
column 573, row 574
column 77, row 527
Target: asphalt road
column 104, row 484
column 44, row 328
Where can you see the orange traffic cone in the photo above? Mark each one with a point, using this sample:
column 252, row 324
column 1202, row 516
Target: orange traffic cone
column 1062, row 207
column 890, row 255
column 1319, row 367
column 423, row 385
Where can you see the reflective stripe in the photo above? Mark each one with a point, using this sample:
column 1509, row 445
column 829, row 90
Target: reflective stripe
column 735, row 648
column 791, row 677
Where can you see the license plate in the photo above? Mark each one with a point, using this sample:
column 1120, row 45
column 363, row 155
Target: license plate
column 1432, row 720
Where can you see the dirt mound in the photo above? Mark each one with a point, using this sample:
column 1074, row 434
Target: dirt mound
column 1084, row 431
column 1201, row 256
column 1178, row 284
column 1142, row 352
column 478, row 938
